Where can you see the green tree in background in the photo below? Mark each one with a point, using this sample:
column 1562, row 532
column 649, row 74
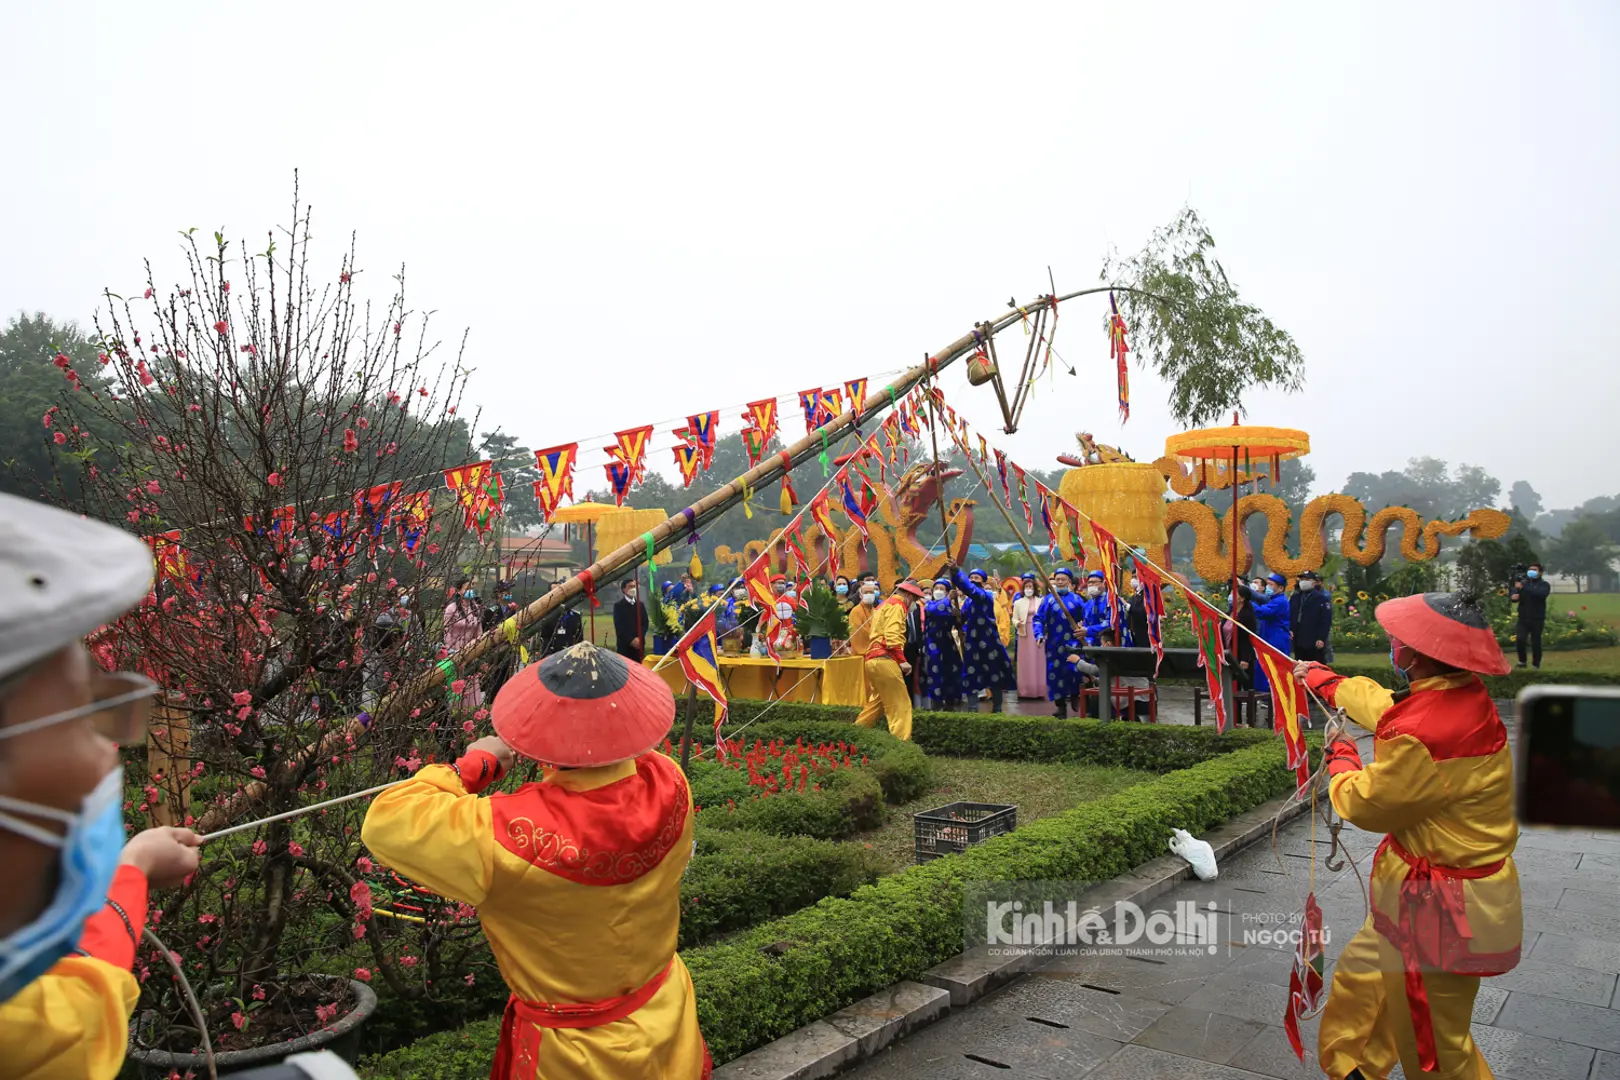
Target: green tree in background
column 30, row 383
column 518, row 476
column 1582, row 551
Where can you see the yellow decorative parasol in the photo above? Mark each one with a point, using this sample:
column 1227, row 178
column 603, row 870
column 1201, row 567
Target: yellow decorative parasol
column 1239, row 443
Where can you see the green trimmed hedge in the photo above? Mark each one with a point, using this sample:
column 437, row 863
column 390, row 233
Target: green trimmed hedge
column 850, row 801
column 785, row 973
column 740, row 878
column 1378, row 669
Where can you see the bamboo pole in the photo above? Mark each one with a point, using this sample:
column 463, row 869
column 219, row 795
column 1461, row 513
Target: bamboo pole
column 626, row 558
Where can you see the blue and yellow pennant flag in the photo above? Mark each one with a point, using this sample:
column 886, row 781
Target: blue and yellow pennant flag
column 699, row 657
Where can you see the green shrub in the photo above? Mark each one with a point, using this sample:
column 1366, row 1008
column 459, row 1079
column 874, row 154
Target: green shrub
column 849, row 801
column 740, row 878
column 790, row 971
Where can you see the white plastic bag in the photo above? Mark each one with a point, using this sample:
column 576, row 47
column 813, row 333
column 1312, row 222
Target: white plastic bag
column 1197, row 852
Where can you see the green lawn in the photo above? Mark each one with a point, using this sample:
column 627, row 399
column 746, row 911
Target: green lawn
column 1037, row 790
column 1595, row 607
column 1575, row 661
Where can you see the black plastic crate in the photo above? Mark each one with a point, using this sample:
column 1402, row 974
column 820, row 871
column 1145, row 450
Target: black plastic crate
column 952, row 828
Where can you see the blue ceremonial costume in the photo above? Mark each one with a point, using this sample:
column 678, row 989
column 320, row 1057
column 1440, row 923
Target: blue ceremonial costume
column 1271, row 616
column 942, row 665
column 985, row 663
column 1052, row 628
column 1098, row 613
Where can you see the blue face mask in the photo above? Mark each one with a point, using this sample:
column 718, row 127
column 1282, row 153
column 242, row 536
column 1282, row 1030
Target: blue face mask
column 90, row 850
column 841, row 589
column 1532, row 574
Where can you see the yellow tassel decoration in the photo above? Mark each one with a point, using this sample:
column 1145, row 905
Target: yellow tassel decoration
column 1127, row 499
column 695, row 568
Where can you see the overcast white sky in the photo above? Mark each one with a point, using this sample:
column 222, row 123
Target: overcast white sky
column 644, row 210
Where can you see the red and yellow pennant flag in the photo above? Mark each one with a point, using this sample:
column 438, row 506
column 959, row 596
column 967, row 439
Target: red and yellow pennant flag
column 821, row 514
column 688, row 456
column 632, row 449
column 810, row 402
column 1108, row 557
column 1023, row 496
column 1001, row 467
column 699, row 657
column 1206, row 623
column 762, row 414
column 415, row 511
column 705, row 429
column 556, row 465
column 793, row 551
column 478, row 489
column 855, row 390
column 753, row 445
column 1307, row 983
column 757, row 581
column 984, row 451
column 1117, row 350
column 1153, row 603
column 620, row 479
column 168, row 556
column 829, row 406
column 1290, row 704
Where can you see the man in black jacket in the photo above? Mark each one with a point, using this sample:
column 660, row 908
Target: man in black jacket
column 629, row 623
column 1530, row 593
column 559, row 630
column 914, row 638
column 1311, row 618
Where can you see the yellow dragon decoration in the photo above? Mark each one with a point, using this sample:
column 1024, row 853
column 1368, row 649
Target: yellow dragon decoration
column 1362, row 541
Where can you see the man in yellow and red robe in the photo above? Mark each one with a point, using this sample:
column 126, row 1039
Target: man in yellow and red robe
column 886, row 667
column 1444, row 891
column 576, row 878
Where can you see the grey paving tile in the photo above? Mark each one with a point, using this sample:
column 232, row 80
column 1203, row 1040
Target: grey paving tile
column 1067, row 1001
column 1604, row 866
column 1607, row 1066
column 1270, row 1054
column 1199, row 1034
column 1567, row 1021
column 1146, row 1063
column 1534, row 976
column 1016, row 1048
column 1167, row 982
column 1513, row 1055
column 1545, row 860
column 1594, row 902
column 1488, row 1004
column 1260, row 1002
column 1572, row 923
column 1558, row 949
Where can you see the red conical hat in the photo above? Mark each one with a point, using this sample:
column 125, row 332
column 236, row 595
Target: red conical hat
column 1448, row 627
column 582, row 707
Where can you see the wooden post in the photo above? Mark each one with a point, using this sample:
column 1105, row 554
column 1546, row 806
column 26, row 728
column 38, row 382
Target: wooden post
column 168, row 748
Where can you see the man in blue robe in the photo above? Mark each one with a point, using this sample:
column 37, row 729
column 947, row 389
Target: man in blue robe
column 1054, row 624
column 985, row 663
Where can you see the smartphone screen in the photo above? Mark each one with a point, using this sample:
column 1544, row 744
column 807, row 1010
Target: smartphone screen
column 1569, row 757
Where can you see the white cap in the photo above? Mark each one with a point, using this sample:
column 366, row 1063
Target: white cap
column 61, row 576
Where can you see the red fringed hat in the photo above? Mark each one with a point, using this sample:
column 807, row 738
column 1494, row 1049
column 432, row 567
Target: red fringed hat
column 582, row 707
column 909, row 586
column 1449, row 627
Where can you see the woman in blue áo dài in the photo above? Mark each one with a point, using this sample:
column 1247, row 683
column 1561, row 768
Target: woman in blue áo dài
column 942, row 664
column 985, row 663
column 1055, row 631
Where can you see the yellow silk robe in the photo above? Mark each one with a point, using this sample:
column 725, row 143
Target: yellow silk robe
column 886, row 690
column 72, row 1023
column 1441, row 786
column 577, row 884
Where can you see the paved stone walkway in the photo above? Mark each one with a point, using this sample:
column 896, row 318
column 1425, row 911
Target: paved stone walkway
column 1556, row 1017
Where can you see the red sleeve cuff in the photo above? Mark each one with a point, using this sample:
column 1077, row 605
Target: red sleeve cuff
column 478, row 769
column 1343, row 757
column 1323, row 682
column 112, row 933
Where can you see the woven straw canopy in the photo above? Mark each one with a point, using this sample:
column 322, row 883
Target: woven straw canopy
column 1250, row 440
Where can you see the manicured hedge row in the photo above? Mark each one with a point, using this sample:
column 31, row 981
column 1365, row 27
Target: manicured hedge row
column 1500, row 686
column 739, row 879
column 850, row 801
column 1153, row 747
column 790, row 971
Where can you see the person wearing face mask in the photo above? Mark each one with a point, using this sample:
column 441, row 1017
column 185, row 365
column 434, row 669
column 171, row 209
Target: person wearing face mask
column 1271, row 611
column 1445, row 893
column 1530, row 593
column 1031, row 657
column 942, row 664
column 985, row 664
column 463, row 623
column 743, row 617
column 1310, row 615
column 1099, row 609
column 1054, row 624
column 846, row 599
column 75, row 900
column 629, row 622
column 860, row 618
column 886, row 666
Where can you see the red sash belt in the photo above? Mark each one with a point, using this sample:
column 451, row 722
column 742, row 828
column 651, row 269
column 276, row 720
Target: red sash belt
column 1432, row 932
column 883, row 652
column 518, row 1054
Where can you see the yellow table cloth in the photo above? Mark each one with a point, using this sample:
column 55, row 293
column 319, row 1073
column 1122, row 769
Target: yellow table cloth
column 839, row 681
